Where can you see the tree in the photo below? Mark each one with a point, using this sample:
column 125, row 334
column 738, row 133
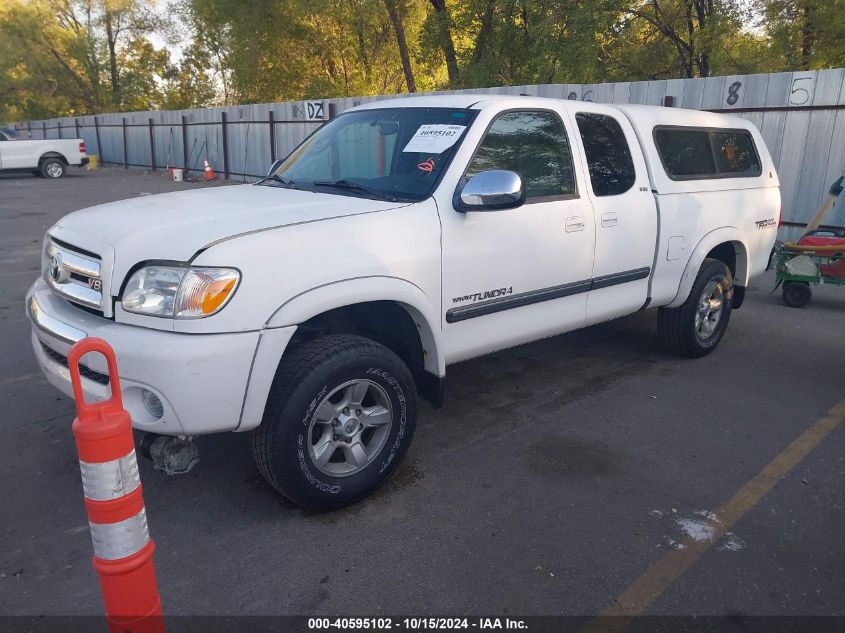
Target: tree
column 396, row 19
column 806, row 34
column 444, row 34
column 680, row 22
column 83, row 56
column 123, row 22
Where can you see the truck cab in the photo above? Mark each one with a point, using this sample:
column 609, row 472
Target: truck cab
column 313, row 307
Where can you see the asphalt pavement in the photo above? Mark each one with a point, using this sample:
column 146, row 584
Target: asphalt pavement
column 553, row 481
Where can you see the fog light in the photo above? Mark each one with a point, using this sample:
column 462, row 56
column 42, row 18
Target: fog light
column 153, row 404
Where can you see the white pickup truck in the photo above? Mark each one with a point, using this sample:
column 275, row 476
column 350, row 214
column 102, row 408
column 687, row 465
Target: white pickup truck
column 49, row 157
column 312, row 307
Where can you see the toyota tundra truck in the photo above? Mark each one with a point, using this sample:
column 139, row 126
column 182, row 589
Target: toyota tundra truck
column 313, row 307
column 46, row 157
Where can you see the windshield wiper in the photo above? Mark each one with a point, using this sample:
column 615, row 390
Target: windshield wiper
column 354, row 186
column 290, row 184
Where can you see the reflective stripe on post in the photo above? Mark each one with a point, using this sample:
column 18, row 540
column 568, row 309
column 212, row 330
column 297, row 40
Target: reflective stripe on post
column 113, row 541
column 109, row 480
column 123, row 550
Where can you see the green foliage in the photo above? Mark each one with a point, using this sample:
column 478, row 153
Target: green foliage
column 806, row 34
column 71, row 57
column 60, row 57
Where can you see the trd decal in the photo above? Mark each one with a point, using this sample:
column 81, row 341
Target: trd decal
column 765, row 224
column 487, row 294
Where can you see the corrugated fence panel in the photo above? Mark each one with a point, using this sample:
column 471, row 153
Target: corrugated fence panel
column 791, row 161
column 811, row 183
column 800, row 114
column 836, row 159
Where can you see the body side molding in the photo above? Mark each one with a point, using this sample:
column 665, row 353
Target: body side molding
column 545, row 294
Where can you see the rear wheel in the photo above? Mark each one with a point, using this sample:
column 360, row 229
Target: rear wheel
column 339, row 420
column 697, row 326
column 52, row 168
column 797, row 294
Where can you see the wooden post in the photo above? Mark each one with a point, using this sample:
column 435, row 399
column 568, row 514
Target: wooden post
column 185, row 143
column 97, row 135
column 76, row 125
column 44, row 130
column 152, row 146
column 332, row 110
column 223, row 122
column 125, row 149
column 272, row 138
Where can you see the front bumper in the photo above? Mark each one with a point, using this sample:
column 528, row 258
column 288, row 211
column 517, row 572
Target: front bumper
column 201, row 379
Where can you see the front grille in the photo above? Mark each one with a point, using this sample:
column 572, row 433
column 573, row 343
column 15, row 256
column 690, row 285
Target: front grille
column 75, row 274
column 88, row 373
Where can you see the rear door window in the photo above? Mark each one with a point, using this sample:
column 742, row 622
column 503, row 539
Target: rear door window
column 608, row 156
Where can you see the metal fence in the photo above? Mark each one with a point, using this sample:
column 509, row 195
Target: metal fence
column 801, row 116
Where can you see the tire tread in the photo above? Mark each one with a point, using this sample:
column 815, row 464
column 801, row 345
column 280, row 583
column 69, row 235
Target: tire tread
column 672, row 323
column 315, row 355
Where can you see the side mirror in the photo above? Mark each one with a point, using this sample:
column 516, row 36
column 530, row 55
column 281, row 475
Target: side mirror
column 276, row 164
column 492, row 190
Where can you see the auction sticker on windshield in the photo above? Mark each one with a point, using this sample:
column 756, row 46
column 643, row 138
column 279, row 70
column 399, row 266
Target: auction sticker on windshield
column 434, row 138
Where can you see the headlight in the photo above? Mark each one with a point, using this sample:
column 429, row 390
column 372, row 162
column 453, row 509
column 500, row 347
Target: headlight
column 179, row 291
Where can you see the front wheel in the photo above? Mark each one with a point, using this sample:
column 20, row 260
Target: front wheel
column 697, row 326
column 339, row 419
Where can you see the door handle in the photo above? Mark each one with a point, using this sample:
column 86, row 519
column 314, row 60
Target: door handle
column 574, row 223
column 609, row 219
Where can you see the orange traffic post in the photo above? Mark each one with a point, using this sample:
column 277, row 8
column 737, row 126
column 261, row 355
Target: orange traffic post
column 123, row 550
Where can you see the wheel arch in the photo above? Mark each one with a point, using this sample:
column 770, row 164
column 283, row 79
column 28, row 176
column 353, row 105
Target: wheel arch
column 299, row 318
column 308, row 306
column 724, row 244
column 47, row 155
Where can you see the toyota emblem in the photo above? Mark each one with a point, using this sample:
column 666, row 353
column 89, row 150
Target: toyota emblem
column 56, row 268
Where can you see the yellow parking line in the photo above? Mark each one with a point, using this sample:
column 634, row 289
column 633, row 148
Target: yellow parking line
column 666, row 570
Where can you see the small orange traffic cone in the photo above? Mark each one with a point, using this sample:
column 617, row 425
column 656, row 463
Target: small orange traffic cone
column 209, row 172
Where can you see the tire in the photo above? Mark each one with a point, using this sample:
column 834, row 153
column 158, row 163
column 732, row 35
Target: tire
column 797, row 294
column 694, row 329
column 310, row 388
column 52, row 168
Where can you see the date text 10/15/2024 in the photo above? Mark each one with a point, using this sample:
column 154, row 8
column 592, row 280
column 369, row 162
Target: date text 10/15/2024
column 416, row 624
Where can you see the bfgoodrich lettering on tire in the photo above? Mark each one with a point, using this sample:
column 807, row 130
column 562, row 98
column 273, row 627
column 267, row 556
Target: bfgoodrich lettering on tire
column 697, row 326
column 338, row 421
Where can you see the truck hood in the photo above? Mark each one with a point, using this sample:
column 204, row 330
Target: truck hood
column 175, row 226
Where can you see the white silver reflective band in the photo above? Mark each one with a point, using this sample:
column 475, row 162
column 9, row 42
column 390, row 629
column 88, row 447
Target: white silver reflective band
column 113, row 541
column 110, row 480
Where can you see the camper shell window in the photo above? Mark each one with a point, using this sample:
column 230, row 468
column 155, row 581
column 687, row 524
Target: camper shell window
column 694, row 153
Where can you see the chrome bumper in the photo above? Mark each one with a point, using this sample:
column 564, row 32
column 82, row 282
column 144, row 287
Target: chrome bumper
column 51, row 325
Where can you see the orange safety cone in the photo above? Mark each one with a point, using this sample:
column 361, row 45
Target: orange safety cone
column 123, row 550
column 209, row 172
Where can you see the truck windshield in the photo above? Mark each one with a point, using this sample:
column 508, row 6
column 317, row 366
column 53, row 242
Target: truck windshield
column 394, row 154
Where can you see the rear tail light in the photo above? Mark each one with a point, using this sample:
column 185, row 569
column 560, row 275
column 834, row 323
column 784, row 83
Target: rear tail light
column 82, row 147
